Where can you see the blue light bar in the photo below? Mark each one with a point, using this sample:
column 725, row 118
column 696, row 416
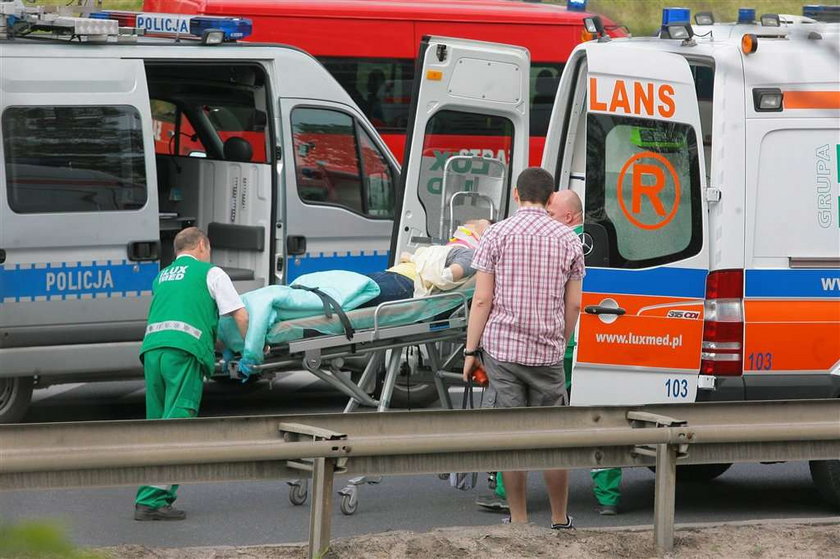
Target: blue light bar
column 233, row 27
column 576, row 5
column 746, row 15
column 824, row 13
column 671, row 16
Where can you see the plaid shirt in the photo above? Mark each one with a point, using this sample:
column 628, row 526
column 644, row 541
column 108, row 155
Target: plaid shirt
column 531, row 257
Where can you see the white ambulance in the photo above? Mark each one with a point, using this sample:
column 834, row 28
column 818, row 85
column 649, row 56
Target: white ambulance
column 112, row 143
column 707, row 160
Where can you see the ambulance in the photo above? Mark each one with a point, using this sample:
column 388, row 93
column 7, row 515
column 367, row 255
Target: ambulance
column 707, row 162
column 114, row 139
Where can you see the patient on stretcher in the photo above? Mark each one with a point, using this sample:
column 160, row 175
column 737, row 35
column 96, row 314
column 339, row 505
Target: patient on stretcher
column 432, row 268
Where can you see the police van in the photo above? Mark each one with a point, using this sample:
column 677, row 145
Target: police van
column 112, row 142
column 707, row 160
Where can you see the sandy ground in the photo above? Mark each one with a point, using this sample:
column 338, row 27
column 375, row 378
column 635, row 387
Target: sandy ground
column 748, row 540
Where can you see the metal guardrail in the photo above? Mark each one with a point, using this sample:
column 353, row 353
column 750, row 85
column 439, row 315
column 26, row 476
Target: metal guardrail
column 401, row 443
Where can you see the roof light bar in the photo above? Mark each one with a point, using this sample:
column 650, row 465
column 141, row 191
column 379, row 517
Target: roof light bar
column 228, row 28
column 576, row 5
column 676, row 24
column 746, row 15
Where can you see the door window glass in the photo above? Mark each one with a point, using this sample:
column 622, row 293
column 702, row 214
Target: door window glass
column 482, row 173
column 174, row 134
column 643, row 204
column 327, row 147
column 74, row 159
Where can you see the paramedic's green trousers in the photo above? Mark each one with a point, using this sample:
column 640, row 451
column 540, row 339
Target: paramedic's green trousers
column 606, row 485
column 173, row 391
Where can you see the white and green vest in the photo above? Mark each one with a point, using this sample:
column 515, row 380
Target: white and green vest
column 183, row 314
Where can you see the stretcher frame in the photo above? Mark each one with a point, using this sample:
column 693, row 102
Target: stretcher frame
column 323, row 357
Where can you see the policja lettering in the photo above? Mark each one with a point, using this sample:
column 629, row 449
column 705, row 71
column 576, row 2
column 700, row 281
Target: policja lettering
column 78, row 280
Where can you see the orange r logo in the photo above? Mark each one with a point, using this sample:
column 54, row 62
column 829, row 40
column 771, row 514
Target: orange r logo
column 647, row 182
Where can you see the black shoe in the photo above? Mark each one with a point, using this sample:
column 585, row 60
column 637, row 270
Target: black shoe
column 142, row 512
column 567, row 526
column 492, row 502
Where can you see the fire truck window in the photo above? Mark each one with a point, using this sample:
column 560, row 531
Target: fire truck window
column 544, row 81
column 74, row 159
column 381, row 87
column 642, row 190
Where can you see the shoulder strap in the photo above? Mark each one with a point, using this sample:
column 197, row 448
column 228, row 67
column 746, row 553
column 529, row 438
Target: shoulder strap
column 330, row 305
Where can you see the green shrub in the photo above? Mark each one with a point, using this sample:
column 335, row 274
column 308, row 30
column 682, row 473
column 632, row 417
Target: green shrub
column 38, row 540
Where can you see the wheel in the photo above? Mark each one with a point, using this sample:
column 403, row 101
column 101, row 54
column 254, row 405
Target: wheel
column 15, row 396
column 695, row 473
column 826, row 476
column 349, row 502
column 414, row 395
column 297, row 494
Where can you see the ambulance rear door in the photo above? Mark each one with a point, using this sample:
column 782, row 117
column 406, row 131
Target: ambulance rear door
column 628, row 141
column 476, row 91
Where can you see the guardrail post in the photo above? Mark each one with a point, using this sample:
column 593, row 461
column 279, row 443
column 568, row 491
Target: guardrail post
column 663, row 508
column 320, row 519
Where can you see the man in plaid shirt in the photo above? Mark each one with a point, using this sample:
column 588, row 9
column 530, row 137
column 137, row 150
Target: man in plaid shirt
column 525, row 307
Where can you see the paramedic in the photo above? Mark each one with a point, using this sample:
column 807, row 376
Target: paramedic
column 178, row 350
column 526, row 304
column 565, row 206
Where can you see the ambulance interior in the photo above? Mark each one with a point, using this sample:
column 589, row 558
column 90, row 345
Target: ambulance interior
column 213, row 170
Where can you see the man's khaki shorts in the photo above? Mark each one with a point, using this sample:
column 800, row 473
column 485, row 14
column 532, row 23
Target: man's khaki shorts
column 517, row 386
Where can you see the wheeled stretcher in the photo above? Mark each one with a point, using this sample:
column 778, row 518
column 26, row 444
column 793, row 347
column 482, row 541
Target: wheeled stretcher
column 436, row 323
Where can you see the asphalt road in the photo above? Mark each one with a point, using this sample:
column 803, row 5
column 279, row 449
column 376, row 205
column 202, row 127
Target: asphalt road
column 260, row 513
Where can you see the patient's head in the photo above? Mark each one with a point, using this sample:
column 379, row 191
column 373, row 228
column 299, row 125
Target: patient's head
column 479, row 226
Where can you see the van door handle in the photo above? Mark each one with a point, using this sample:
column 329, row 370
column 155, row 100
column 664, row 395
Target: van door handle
column 599, row 309
column 144, row 251
column 295, row 245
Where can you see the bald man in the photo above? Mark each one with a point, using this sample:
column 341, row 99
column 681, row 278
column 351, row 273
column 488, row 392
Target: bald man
column 565, row 206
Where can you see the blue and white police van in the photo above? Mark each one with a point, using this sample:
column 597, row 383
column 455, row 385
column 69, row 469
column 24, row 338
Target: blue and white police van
column 113, row 141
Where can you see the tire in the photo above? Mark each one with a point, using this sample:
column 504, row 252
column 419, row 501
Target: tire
column 826, row 476
column 415, row 395
column 15, row 396
column 696, row 473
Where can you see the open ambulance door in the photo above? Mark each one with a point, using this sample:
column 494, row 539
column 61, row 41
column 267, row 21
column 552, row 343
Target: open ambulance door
column 466, row 93
column 626, row 137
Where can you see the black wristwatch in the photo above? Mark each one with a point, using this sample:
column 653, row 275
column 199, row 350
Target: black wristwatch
column 472, row 352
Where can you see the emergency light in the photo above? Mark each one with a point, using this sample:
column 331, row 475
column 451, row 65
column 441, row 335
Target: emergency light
column 676, row 24
column 771, row 20
column 704, row 18
column 746, row 16
column 576, row 5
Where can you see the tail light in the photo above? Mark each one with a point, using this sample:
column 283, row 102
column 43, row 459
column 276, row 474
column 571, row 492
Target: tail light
column 723, row 327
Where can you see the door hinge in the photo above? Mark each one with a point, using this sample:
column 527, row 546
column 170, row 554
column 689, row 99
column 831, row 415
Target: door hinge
column 713, row 194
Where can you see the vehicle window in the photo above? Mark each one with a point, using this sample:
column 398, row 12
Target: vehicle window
column 378, row 179
column 329, row 167
column 642, row 190
column 484, row 173
column 381, row 87
column 74, row 159
column 545, row 78
column 174, row 134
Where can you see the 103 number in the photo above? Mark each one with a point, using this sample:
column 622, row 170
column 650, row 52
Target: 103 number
column 761, row 361
column 676, row 388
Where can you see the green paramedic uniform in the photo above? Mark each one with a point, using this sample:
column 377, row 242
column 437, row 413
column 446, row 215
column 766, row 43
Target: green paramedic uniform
column 177, row 351
column 606, row 482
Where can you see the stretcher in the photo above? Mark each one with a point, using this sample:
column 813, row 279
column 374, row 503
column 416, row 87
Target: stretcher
column 321, row 344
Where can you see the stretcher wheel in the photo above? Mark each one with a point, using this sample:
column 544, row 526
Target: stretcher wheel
column 443, row 476
column 298, row 494
column 349, row 500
